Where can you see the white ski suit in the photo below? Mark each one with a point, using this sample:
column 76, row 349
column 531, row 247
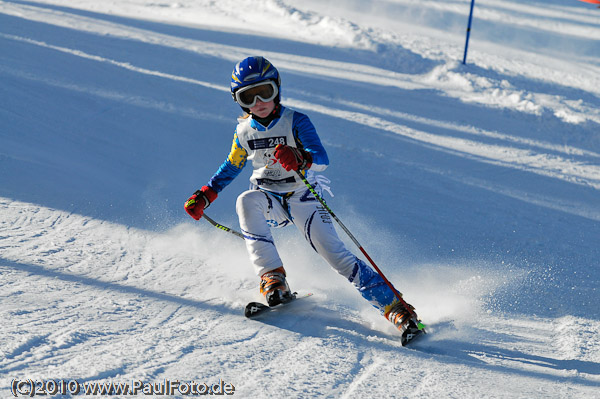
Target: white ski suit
column 278, row 198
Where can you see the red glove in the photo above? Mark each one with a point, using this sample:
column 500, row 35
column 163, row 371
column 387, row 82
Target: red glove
column 292, row 158
column 198, row 202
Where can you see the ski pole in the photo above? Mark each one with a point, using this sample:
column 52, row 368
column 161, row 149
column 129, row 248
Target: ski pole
column 468, row 32
column 224, row 228
column 322, row 201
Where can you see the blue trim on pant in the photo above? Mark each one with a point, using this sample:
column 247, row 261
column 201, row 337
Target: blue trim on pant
column 307, row 233
column 371, row 286
column 255, row 237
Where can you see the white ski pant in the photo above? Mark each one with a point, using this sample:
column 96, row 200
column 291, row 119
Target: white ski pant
column 258, row 211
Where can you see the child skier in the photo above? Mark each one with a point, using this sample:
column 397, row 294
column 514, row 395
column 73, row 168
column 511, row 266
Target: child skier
column 279, row 142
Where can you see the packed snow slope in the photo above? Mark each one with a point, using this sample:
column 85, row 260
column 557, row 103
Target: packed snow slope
column 476, row 189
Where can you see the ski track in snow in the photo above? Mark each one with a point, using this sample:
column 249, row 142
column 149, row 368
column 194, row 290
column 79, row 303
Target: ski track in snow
column 96, row 300
column 108, row 303
column 550, row 165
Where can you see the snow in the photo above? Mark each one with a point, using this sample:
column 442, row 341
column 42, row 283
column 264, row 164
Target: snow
column 476, row 189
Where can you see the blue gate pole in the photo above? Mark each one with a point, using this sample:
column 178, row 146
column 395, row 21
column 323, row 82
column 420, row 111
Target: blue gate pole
column 468, row 31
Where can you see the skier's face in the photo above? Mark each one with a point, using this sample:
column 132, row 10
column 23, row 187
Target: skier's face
column 261, row 109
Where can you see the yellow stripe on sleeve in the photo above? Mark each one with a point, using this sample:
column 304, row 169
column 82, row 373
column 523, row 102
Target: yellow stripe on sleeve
column 238, row 155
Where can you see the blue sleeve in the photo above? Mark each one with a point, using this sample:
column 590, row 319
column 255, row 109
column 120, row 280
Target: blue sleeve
column 230, row 168
column 307, row 138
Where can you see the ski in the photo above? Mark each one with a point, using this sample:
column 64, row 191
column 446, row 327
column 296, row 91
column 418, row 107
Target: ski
column 414, row 330
column 254, row 309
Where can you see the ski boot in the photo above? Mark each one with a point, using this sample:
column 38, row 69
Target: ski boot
column 405, row 321
column 275, row 288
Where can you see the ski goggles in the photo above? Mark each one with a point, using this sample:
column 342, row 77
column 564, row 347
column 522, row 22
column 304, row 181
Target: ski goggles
column 264, row 91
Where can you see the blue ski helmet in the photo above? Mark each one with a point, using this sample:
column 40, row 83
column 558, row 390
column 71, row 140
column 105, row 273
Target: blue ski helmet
column 254, row 70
